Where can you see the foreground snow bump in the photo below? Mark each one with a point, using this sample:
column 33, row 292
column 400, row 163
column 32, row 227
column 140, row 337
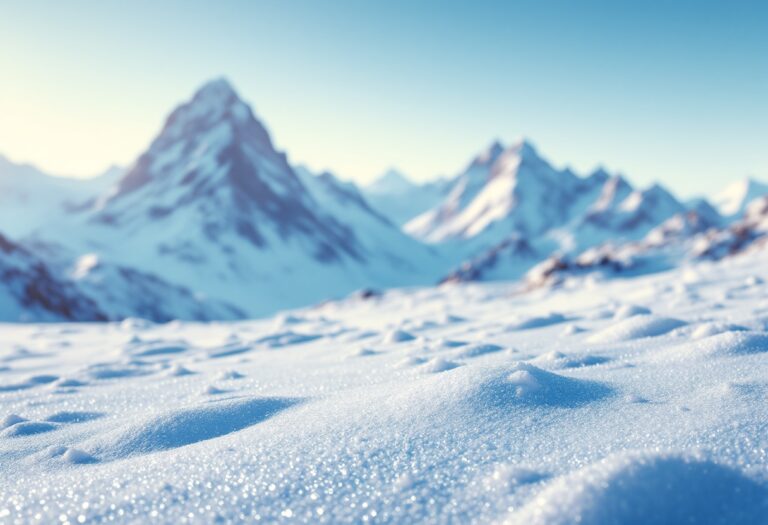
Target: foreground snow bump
column 625, row 490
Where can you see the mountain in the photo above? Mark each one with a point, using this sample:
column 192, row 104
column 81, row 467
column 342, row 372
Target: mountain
column 696, row 234
column 123, row 292
column 513, row 190
column 399, row 199
column 623, row 214
column 31, row 291
column 642, row 232
column 510, row 208
column 377, row 235
column 36, row 286
column 433, row 225
column 392, row 182
column 213, row 222
column 31, row 199
column 733, row 201
column 508, row 260
column 213, row 207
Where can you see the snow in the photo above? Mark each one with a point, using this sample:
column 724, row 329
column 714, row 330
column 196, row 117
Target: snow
column 623, row 380
column 212, row 222
column 31, row 199
column 735, row 199
column 624, row 401
column 616, row 490
column 634, row 328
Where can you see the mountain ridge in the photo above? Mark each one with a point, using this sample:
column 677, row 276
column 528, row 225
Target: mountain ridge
column 214, row 216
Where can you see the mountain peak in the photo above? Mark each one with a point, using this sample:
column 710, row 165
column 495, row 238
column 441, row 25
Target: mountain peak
column 391, row 181
column 489, row 155
column 495, row 148
column 523, row 146
column 218, row 88
column 735, row 198
column 215, row 124
column 600, row 173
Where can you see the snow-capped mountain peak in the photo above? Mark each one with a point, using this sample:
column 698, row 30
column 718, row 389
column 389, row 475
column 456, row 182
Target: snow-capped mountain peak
column 655, row 196
column 500, row 192
column 206, row 130
column 489, row 155
column 212, row 206
column 733, row 201
column 509, row 160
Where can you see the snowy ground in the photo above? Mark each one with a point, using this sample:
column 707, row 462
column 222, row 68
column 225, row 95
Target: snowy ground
column 636, row 401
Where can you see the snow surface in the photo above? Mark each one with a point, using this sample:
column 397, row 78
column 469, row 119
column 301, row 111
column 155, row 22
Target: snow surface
column 629, row 401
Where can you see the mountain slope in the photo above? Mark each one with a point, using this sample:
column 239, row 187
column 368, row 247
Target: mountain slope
column 685, row 238
column 31, row 291
column 31, row 199
column 122, row 292
column 430, row 225
column 733, row 201
column 378, row 237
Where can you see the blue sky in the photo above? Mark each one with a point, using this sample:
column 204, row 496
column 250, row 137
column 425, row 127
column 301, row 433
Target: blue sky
column 669, row 91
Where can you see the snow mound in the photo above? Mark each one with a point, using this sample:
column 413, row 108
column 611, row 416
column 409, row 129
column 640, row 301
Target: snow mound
column 362, row 352
column 439, row 364
column 229, row 375
column 30, row 382
column 213, row 390
column 642, row 489
column 78, row 457
column 572, row 329
column 558, row 360
column 72, row 456
column 410, row 361
column 107, row 371
column 186, row 426
column 229, row 350
column 478, row 349
column 710, row 329
column 529, row 385
column 636, row 327
column 73, row 416
column 726, row 344
column 537, row 322
column 289, row 338
column 179, row 370
column 10, row 420
column 505, row 478
column 629, row 310
column 158, row 350
column 398, row 336
column 28, row 428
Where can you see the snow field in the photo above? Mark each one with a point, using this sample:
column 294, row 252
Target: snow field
column 636, row 401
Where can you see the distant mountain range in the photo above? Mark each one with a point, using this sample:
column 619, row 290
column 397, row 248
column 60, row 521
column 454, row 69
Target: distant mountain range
column 400, row 199
column 212, row 222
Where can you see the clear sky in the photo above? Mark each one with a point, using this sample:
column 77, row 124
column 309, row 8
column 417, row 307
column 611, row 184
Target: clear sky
column 669, row 91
